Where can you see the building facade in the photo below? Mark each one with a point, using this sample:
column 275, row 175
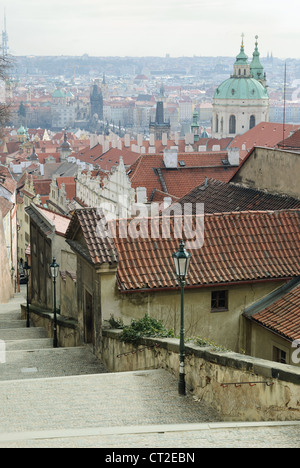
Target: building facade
column 242, row 101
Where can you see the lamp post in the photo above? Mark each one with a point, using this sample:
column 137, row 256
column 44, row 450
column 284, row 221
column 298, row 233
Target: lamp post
column 27, row 269
column 54, row 268
column 182, row 260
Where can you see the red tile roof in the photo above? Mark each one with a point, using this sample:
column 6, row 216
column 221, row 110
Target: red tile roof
column 6, row 179
column 60, row 222
column 5, row 206
column 292, row 142
column 97, row 250
column 266, row 134
column 150, row 172
column 283, row 316
column 238, row 247
column 42, row 186
column 70, row 186
column 112, row 158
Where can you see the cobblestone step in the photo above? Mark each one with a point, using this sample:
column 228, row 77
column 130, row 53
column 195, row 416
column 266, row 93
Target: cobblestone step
column 49, row 362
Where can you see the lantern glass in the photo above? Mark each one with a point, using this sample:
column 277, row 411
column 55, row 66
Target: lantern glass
column 54, row 268
column 182, row 260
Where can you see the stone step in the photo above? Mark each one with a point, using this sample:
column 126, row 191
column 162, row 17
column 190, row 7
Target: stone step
column 48, row 363
column 4, row 324
column 19, row 345
column 15, row 315
column 12, row 334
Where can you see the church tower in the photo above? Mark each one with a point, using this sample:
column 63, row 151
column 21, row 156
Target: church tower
column 96, row 101
column 159, row 126
column 256, row 68
column 241, row 102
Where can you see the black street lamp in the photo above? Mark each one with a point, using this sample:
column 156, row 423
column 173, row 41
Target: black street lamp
column 27, row 269
column 54, row 268
column 182, row 260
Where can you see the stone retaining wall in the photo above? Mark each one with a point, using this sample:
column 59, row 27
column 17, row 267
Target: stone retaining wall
column 207, row 372
column 67, row 329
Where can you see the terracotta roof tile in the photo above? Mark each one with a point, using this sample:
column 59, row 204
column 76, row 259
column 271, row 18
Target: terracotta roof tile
column 283, row 316
column 5, row 206
column 241, row 246
column 266, row 134
column 237, row 247
column 150, row 172
column 70, row 186
column 100, row 250
column 60, row 222
column 6, row 179
column 292, row 142
column 221, row 197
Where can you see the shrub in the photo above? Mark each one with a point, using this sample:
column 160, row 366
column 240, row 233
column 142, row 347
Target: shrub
column 145, row 327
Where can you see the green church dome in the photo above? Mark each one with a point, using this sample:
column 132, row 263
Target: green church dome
column 241, row 88
column 58, row 93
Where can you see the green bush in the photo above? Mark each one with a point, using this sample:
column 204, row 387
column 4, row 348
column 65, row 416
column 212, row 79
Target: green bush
column 145, row 327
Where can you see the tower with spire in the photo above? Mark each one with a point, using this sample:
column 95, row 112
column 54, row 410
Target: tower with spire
column 242, row 101
column 256, row 68
column 96, row 101
column 4, row 38
column 195, row 126
column 160, row 126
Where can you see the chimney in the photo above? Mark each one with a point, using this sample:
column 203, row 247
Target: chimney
column 234, row 156
column 127, row 140
column 167, row 202
column 141, row 195
column 170, row 158
column 140, row 140
column 152, row 139
column 164, row 139
column 189, row 138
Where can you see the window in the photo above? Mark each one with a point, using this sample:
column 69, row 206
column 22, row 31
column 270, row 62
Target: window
column 232, row 124
column 279, row 355
column 219, row 300
column 252, row 121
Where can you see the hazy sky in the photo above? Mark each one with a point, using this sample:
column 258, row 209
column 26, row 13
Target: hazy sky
column 151, row 27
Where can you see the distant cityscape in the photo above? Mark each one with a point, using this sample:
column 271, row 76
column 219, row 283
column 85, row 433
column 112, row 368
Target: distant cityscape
column 55, row 92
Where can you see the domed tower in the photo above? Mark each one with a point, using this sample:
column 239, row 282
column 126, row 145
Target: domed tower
column 241, row 101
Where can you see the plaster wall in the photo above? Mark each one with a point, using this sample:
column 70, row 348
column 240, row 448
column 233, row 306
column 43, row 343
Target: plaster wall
column 224, row 327
column 274, row 171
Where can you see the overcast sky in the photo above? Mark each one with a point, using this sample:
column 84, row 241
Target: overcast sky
column 151, row 27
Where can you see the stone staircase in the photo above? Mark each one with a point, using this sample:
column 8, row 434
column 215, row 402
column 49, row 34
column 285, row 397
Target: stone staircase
column 29, row 353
